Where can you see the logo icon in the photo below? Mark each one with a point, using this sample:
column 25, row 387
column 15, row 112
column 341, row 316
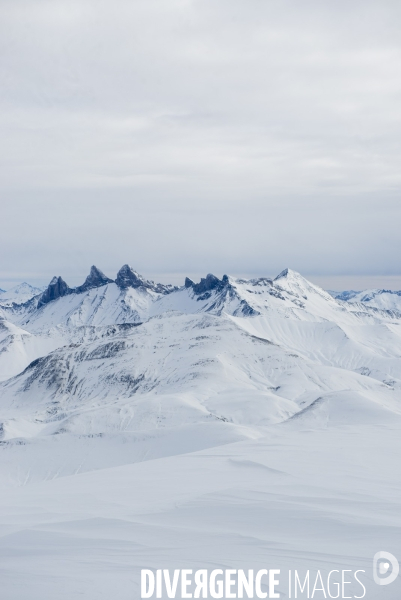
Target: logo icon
column 382, row 561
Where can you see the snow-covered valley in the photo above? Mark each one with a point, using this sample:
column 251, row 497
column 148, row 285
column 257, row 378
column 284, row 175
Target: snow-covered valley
column 224, row 424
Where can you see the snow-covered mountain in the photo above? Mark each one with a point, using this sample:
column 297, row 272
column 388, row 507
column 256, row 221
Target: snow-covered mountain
column 285, row 345
column 19, row 294
column 117, row 397
column 383, row 299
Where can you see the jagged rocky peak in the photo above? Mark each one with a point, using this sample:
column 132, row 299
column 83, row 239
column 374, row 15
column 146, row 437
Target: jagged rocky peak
column 56, row 289
column 207, row 284
column 95, row 279
column 127, row 277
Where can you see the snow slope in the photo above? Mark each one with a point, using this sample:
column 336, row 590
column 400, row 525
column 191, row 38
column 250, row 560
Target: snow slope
column 292, row 499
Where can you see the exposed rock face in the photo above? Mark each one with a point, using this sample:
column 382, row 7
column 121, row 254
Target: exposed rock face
column 127, row 277
column 56, row 288
column 95, row 279
column 219, row 292
column 211, row 282
column 207, row 284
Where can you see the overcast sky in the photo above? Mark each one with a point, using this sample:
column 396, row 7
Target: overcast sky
column 187, row 137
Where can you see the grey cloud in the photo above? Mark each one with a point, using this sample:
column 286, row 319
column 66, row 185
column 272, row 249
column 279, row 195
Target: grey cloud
column 192, row 136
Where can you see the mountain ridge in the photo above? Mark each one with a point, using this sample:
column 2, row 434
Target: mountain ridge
column 128, row 341
column 379, row 298
column 126, row 278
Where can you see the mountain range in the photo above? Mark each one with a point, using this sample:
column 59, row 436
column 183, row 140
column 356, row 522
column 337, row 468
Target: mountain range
column 386, row 299
column 148, row 425
column 284, row 344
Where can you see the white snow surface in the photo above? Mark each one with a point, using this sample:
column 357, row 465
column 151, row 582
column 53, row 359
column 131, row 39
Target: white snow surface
column 382, row 299
column 19, row 294
column 256, row 425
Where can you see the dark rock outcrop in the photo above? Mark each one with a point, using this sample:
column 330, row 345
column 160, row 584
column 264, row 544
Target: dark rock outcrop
column 211, row 282
column 219, row 292
column 127, row 277
column 56, row 289
column 95, row 279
